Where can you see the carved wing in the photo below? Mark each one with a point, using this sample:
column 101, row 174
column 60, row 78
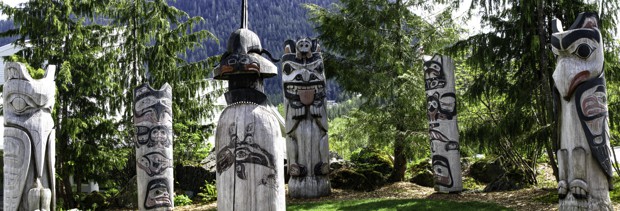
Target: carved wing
column 17, row 155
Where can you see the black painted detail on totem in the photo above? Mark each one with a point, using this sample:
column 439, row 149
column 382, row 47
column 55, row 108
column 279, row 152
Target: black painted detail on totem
column 158, row 194
column 592, row 112
column 154, row 136
column 440, row 137
column 434, row 74
column 154, row 163
column 437, row 110
column 575, row 36
column 241, row 152
column 582, row 18
column 247, row 95
column 441, row 171
column 154, row 106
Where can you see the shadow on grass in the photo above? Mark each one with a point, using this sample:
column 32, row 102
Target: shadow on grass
column 396, row 204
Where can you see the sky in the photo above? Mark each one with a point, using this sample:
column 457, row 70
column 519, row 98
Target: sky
column 13, row 2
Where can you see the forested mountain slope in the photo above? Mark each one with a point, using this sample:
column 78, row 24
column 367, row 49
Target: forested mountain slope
column 273, row 20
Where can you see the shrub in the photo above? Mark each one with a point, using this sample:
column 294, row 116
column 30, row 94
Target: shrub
column 182, row 200
column 208, row 192
column 372, row 158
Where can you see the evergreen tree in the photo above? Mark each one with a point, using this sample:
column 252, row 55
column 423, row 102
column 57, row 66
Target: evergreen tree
column 102, row 50
column 509, row 96
column 373, row 47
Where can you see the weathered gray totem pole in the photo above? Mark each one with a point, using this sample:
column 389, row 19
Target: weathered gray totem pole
column 443, row 129
column 584, row 156
column 29, row 150
column 306, row 119
column 153, row 124
column 248, row 140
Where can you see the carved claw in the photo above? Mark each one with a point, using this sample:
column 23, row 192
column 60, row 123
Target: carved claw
column 39, row 198
column 321, row 168
column 579, row 189
column 34, row 198
column 562, row 189
column 297, row 170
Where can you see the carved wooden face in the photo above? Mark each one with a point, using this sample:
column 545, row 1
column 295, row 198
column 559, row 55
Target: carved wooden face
column 153, row 116
column 303, row 78
column 434, row 75
column 579, row 51
column 154, row 163
column 29, row 127
column 243, row 57
column 441, row 171
column 441, row 107
column 158, row 194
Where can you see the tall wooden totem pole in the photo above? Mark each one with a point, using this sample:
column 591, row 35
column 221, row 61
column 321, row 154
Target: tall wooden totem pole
column 584, row 156
column 306, row 119
column 443, row 129
column 29, row 150
column 248, row 140
column 153, row 124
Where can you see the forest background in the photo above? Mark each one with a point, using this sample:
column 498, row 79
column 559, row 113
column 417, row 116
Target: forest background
column 373, row 51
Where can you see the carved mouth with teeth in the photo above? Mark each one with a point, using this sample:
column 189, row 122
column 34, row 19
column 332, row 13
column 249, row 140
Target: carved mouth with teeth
column 304, row 96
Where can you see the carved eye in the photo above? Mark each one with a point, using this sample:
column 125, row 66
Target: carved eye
column 313, row 77
column 20, row 104
column 232, row 61
column 319, row 69
column 584, row 51
column 287, row 69
column 298, row 78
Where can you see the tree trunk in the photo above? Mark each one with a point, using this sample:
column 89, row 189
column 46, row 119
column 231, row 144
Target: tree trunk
column 545, row 82
column 400, row 160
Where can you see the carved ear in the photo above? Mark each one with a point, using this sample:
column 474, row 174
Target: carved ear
column 586, row 20
column 556, row 25
column 289, row 46
column 437, row 58
column 16, row 70
column 315, row 45
column 50, row 72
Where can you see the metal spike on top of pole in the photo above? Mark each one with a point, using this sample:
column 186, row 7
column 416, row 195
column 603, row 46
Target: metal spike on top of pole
column 244, row 14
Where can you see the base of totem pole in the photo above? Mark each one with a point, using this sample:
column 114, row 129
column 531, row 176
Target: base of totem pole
column 572, row 204
column 309, row 187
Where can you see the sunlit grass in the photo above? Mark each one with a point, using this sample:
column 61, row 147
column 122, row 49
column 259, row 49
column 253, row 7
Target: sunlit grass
column 396, row 204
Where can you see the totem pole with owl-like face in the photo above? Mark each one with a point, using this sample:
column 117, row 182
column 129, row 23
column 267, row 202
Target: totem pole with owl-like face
column 248, row 140
column 29, row 150
column 443, row 129
column 584, row 155
column 306, row 119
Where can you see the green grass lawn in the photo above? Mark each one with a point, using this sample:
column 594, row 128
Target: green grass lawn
column 395, row 204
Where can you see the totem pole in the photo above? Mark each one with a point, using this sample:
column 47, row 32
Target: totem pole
column 584, row 154
column 248, row 140
column 306, row 119
column 443, row 129
column 29, row 151
column 153, row 124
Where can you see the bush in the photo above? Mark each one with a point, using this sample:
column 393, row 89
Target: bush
column 486, row 170
column 347, row 179
column 182, row 200
column 372, row 158
column 93, row 201
column 208, row 192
